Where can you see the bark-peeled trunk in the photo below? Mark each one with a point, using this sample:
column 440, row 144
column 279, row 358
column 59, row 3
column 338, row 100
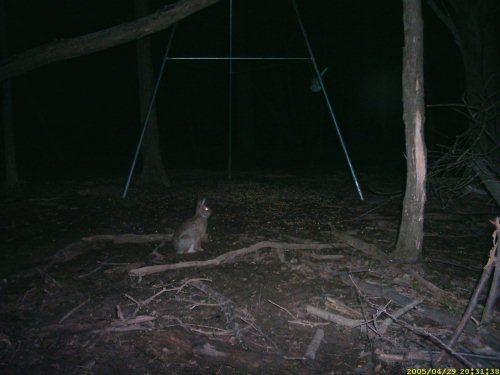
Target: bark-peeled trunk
column 7, row 119
column 411, row 234
column 153, row 172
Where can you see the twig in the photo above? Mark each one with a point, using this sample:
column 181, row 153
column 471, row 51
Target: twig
column 282, row 308
column 119, row 313
column 382, row 328
column 73, row 310
column 315, row 343
column 434, row 339
column 178, row 289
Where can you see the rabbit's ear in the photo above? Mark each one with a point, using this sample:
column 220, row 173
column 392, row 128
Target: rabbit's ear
column 202, row 201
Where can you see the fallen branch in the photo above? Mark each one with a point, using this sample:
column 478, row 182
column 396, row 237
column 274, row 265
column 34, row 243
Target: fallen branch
column 489, row 308
column 73, row 310
column 382, row 328
column 474, row 299
column 226, row 257
column 368, row 249
column 315, row 344
column 434, row 339
column 421, row 355
column 335, row 318
column 120, row 239
column 225, row 305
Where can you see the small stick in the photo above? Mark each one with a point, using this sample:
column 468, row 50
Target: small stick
column 434, row 339
column 72, row 311
column 397, row 314
column 335, row 318
column 315, row 343
column 119, row 313
column 282, row 308
column 489, row 308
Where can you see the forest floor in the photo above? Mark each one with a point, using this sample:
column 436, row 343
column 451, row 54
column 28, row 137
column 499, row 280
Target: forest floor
column 71, row 303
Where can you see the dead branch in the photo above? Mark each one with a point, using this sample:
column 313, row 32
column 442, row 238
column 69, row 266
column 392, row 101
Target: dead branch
column 432, row 338
column 444, row 318
column 324, row 257
column 335, row 318
column 489, row 308
column 368, row 249
column 341, row 307
column 282, row 308
column 73, row 310
column 140, row 304
column 64, row 49
column 405, row 357
column 226, row 257
column 382, row 328
column 417, row 356
column 315, row 344
column 225, row 305
column 485, row 276
column 120, row 239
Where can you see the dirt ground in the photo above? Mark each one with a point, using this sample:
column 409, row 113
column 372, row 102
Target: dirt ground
column 70, row 306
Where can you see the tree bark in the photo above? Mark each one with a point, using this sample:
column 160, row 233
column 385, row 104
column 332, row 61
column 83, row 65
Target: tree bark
column 411, row 234
column 69, row 48
column 153, row 172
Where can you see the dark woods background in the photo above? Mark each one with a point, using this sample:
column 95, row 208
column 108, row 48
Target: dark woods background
column 81, row 117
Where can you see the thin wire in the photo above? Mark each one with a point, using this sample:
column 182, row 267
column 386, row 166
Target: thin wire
column 230, row 104
column 330, row 109
column 146, row 120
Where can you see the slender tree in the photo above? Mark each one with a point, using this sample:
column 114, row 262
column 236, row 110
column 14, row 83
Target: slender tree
column 11, row 173
column 411, row 234
column 153, row 172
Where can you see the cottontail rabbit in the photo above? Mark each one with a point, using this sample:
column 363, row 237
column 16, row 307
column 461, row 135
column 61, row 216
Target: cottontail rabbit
column 187, row 238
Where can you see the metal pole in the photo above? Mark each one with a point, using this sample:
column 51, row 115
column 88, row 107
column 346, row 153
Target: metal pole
column 150, row 108
column 328, row 104
column 230, row 104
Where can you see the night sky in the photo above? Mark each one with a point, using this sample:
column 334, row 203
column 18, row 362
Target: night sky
column 81, row 116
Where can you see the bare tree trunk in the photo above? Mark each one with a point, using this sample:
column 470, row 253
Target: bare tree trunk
column 153, row 172
column 11, row 175
column 411, row 233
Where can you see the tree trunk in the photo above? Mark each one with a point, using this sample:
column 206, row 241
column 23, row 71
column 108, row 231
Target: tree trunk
column 473, row 26
column 153, row 172
column 411, row 234
column 11, row 175
column 69, row 48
